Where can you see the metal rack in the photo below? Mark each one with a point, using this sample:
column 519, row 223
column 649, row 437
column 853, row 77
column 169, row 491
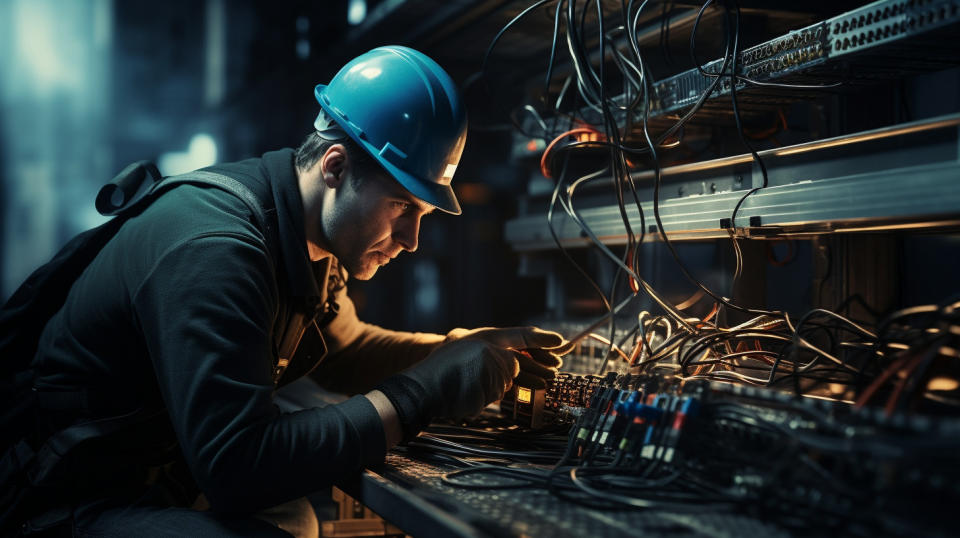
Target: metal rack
column 904, row 176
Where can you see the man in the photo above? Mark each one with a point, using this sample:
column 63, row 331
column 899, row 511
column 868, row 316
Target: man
column 194, row 311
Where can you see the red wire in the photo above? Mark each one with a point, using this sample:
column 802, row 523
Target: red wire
column 908, row 371
column 634, row 285
column 878, row 382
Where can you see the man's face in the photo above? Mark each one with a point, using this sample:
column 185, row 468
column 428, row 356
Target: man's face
column 369, row 224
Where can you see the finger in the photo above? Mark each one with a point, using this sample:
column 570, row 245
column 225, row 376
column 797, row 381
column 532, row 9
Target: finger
column 539, row 338
column 544, row 357
column 457, row 334
column 510, row 369
column 509, row 365
column 529, row 365
column 499, row 378
column 564, row 348
column 519, row 337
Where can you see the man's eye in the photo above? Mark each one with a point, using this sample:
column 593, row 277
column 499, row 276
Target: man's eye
column 402, row 206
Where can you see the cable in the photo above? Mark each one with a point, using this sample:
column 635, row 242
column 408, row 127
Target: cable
column 658, row 181
column 496, row 39
column 544, row 161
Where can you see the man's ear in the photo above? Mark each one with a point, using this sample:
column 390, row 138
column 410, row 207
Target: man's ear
column 332, row 165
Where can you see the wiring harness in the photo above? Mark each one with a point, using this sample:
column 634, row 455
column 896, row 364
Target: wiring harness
column 858, row 438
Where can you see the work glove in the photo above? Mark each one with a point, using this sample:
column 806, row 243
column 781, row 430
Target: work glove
column 460, row 377
column 538, row 361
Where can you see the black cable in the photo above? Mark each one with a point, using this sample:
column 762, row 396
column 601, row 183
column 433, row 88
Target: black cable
column 521, row 478
column 553, row 51
column 496, row 39
column 737, row 119
column 643, row 284
column 556, row 239
column 656, row 194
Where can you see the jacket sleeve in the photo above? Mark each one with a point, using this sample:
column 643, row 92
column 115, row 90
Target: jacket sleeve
column 206, row 309
column 360, row 354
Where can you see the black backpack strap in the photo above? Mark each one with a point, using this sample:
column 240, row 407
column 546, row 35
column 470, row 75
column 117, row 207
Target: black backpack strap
column 31, row 477
column 263, row 208
column 137, row 185
column 51, row 453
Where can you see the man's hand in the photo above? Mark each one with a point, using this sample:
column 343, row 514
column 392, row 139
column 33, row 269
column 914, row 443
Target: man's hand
column 462, row 376
column 532, row 345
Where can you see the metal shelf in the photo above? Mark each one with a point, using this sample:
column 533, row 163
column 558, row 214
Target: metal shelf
column 907, row 176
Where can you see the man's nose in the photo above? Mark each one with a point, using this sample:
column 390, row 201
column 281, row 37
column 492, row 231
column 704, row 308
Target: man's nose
column 407, row 232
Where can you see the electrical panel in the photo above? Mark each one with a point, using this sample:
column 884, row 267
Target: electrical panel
column 837, row 411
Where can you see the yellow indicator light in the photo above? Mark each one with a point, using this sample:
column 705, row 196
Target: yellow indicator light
column 524, row 395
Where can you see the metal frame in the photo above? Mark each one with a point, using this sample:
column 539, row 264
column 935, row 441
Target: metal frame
column 848, row 183
column 414, row 510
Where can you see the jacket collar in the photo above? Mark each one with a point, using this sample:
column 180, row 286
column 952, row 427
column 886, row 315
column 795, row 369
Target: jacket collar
column 306, row 280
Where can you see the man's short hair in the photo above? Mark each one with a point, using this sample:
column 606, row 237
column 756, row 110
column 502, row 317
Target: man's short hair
column 317, row 143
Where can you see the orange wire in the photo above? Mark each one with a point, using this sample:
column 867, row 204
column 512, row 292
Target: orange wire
column 605, row 341
column 706, row 321
column 634, row 285
column 713, row 312
column 637, row 348
column 701, row 367
column 544, row 169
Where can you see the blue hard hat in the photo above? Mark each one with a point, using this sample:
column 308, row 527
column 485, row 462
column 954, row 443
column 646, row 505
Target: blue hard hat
column 404, row 110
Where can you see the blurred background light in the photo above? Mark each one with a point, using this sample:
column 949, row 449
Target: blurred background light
column 55, row 69
column 200, row 153
column 356, row 11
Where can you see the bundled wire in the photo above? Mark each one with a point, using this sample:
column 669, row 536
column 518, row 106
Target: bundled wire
column 735, row 457
column 821, row 353
column 891, row 363
column 589, row 82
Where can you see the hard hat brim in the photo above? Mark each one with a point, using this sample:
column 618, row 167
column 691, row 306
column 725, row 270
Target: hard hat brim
column 437, row 195
column 440, row 196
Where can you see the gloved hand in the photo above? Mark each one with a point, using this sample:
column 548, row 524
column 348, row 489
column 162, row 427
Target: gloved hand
column 462, row 376
column 538, row 362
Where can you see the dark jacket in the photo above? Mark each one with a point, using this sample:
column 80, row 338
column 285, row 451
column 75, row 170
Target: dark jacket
column 185, row 309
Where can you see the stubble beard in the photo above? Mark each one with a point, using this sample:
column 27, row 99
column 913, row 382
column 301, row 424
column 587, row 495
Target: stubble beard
column 366, row 267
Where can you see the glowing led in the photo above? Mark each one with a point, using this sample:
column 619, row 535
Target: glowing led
column 524, row 395
column 356, row 11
